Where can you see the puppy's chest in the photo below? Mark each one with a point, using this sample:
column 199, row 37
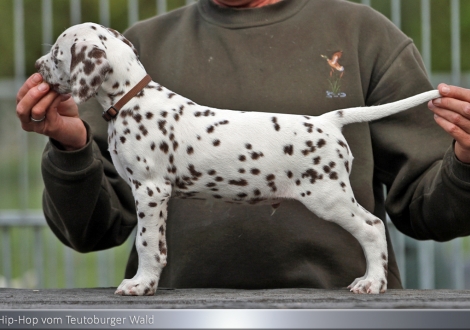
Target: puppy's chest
column 128, row 146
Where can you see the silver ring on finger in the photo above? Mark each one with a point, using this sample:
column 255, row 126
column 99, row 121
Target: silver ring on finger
column 37, row 120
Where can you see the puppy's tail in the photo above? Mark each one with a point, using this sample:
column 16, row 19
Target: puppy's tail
column 365, row 114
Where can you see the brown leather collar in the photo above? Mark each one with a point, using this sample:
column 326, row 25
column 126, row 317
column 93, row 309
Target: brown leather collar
column 113, row 111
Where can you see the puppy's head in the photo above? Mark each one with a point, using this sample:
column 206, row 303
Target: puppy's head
column 78, row 62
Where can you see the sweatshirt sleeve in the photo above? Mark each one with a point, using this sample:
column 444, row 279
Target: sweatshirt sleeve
column 85, row 202
column 428, row 187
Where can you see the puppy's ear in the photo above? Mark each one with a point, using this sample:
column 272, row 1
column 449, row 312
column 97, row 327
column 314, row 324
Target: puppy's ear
column 88, row 69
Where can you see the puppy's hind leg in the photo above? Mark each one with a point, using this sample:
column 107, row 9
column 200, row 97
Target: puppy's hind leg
column 343, row 209
column 375, row 250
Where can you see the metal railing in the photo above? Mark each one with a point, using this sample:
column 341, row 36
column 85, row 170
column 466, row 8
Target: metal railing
column 419, row 262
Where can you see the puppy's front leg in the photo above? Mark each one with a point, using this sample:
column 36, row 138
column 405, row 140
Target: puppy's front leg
column 152, row 209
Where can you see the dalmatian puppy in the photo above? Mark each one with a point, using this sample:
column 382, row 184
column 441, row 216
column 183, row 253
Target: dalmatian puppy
column 165, row 145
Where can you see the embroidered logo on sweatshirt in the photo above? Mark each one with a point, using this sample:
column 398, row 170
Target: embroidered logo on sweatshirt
column 336, row 74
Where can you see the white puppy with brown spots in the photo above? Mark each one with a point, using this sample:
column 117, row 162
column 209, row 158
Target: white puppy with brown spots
column 188, row 150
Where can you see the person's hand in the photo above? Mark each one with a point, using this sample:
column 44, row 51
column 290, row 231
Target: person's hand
column 452, row 113
column 46, row 112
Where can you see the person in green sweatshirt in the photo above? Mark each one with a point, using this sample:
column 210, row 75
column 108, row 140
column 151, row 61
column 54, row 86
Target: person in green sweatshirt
column 291, row 56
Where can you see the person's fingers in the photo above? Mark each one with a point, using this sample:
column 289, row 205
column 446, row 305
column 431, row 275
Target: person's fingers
column 68, row 106
column 39, row 110
column 31, row 82
column 452, row 110
column 29, row 100
column 46, row 118
column 454, row 92
column 452, row 129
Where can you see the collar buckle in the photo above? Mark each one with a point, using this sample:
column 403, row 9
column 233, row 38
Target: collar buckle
column 109, row 114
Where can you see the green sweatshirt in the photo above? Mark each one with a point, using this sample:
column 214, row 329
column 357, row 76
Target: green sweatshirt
column 296, row 56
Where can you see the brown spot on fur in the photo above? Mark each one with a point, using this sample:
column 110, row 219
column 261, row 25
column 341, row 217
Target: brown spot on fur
column 314, row 176
column 164, row 147
column 193, row 171
column 162, row 247
column 240, row 182
column 256, row 155
column 277, row 127
column 321, row 143
column 289, row 149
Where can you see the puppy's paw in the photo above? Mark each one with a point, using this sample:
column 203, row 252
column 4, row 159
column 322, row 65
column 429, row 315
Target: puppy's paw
column 353, row 284
column 138, row 286
column 368, row 285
